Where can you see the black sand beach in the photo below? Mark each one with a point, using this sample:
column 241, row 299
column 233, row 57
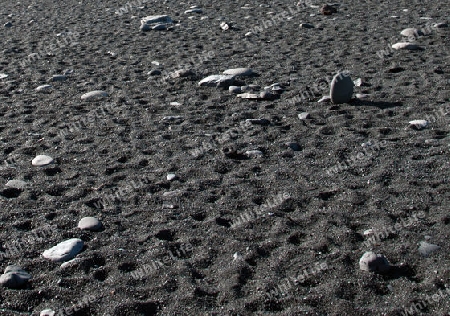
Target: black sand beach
column 263, row 212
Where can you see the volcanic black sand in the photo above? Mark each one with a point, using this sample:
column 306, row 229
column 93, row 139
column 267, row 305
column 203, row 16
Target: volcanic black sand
column 296, row 248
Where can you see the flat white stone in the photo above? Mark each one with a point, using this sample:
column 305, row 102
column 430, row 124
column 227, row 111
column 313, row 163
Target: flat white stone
column 405, row 45
column 362, row 96
column 3, row 75
column 341, row 88
column 217, row 80
column 42, row 160
column 239, row 72
column 97, row 94
column 90, row 223
column 64, row 251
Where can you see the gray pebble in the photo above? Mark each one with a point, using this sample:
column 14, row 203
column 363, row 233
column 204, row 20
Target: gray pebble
column 426, row 249
column 418, row 124
column 243, row 72
column 7, row 24
column 411, row 32
column 294, row 146
column 90, row 223
column 16, row 184
column 58, row 78
column 341, row 88
column 14, row 277
column 97, row 94
column 373, row 262
column 155, row 22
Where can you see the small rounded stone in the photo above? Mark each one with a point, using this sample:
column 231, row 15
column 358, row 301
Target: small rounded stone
column 90, row 223
column 373, row 262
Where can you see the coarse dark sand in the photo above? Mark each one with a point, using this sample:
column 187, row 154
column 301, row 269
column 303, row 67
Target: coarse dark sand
column 277, row 234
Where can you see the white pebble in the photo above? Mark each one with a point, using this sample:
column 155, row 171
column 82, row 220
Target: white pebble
column 64, row 251
column 373, row 262
column 42, row 160
column 94, row 95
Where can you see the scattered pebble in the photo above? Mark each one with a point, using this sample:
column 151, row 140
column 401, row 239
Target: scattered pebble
column 8, row 24
column 90, row 223
column 426, row 249
column 171, row 176
column 373, row 262
column 155, row 22
column 294, row 146
column 258, row 121
column 254, row 153
column 411, row 32
column 217, row 81
column 235, row 89
column 224, row 26
column 341, row 88
column 47, row 312
column 16, row 184
column 249, row 96
column 418, row 124
column 325, row 98
column 328, row 10
column 362, row 96
column 195, row 10
column 306, row 26
column 70, row 263
column 3, row 75
column 304, row 116
column 58, row 78
column 405, row 45
column 243, row 72
column 42, row 160
column 440, row 25
column 14, row 277
column 64, row 251
column 97, row 94
column 44, row 87
column 175, row 103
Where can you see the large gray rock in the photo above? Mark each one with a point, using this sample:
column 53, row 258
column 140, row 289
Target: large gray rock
column 64, row 251
column 341, row 88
